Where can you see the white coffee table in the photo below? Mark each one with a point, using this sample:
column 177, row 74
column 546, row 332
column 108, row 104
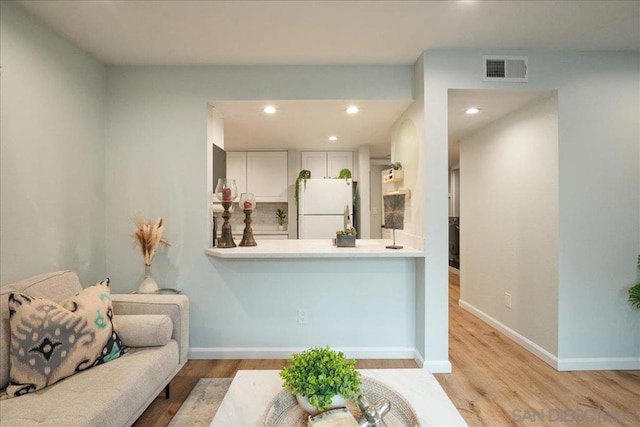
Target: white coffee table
column 251, row 392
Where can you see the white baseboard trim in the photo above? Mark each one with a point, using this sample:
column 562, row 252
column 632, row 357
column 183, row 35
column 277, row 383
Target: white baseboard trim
column 515, row 336
column 438, row 366
column 561, row 364
column 286, row 352
column 599, row 364
column 433, row 366
column 418, row 358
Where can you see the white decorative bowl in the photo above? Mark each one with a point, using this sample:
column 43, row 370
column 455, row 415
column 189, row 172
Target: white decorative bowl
column 337, row 402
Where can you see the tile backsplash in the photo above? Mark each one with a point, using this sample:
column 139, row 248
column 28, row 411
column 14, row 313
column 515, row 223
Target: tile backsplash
column 263, row 214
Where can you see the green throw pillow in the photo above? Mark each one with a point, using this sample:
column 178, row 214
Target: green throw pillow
column 51, row 341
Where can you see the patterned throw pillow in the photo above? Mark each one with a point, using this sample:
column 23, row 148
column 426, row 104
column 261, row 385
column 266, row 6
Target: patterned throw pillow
column 51, row 341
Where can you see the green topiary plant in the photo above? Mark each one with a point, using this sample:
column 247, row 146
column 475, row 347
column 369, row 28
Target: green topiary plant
column 319, row 374
column 304, row 175
column 634, row 292
column 344, row 174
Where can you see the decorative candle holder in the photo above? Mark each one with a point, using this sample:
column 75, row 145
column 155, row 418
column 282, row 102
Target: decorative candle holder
column 248, row 204
column 226, row 191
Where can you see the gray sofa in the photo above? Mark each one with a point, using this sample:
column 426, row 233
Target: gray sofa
column 115, row 393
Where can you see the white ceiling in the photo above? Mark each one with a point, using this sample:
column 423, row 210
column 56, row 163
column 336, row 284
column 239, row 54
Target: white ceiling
column 143, row 32
column 186, row 32
column 307, row 125
column 493, row 104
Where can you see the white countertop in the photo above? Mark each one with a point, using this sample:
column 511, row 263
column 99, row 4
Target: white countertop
column 365, row 248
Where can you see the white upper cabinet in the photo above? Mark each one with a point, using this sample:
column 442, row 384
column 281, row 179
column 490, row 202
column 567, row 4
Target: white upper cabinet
column 338, row 160
column 263, row 173
column 237, row 169
column 324, row 164
column 315, row 162
column 267, row 175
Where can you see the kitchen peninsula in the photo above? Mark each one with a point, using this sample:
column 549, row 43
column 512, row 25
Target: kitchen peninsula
column 287, row 295
column 315, row 248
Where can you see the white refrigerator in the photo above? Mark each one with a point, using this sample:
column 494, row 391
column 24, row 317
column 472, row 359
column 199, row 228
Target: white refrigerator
column 324, row 206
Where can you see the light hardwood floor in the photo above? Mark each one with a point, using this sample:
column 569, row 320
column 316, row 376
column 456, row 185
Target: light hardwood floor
column 495, row 382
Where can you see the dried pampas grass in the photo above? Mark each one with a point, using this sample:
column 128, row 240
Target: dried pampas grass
column 148, row 236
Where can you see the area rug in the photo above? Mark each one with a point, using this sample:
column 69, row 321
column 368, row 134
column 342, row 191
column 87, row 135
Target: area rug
column 202, row 403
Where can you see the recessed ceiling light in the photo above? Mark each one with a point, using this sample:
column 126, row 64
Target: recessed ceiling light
column 472, row 110
column 270, row 109
column 352, row 109
column 333, row 138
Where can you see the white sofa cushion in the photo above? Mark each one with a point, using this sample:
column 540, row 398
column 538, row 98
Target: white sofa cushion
column 113, row 394
column 143, row 330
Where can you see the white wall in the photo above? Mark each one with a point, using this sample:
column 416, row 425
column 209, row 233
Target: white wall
column 215, row 126
column 375, row 172
column 157, row 166
column 509, row 233
column 599, row 140
column 52, row 208
column 215, row 136
column 433, row 298
column 364, row 190
column 52, row 155
column 599, row 181
column 413, row 231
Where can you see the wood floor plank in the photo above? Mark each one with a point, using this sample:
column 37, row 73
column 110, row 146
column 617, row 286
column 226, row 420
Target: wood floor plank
column 162, row 410
column 252, row 364
column 385, row 363
column 495, row 382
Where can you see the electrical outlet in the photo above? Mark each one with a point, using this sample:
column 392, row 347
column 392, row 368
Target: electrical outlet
column 507, row 300
column 303, row 319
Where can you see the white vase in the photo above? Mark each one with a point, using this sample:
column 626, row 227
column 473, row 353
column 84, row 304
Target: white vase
column 337, row 402
column 148, row 284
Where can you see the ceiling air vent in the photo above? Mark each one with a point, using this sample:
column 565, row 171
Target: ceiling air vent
column 505, row 68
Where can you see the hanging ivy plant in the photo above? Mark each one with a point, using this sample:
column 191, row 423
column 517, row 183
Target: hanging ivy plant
column 304, row 175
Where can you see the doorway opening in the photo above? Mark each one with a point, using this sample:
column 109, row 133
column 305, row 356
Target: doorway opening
column 503, row 188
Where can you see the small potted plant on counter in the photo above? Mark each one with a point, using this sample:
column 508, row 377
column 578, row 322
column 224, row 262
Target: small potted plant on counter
column 281, row 216
column 346, row 238
column 321, row 379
